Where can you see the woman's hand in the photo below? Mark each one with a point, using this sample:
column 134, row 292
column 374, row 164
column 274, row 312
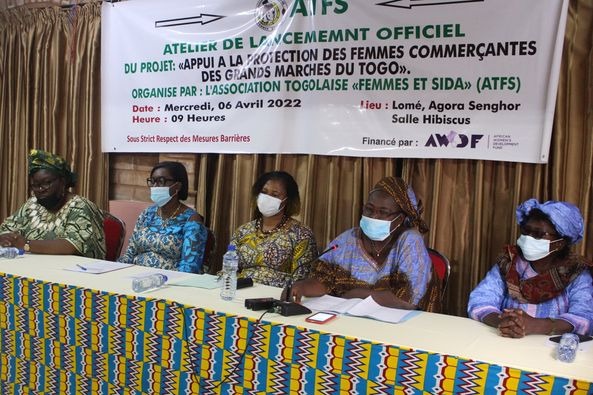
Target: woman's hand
column 512, row 323
column 12, row 240
column 307, row 287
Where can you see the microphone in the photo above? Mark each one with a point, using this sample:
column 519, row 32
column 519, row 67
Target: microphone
column 285, row 307
column 290, row 280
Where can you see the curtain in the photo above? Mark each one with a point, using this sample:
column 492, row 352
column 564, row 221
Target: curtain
column 50, row 95
column 49, row 90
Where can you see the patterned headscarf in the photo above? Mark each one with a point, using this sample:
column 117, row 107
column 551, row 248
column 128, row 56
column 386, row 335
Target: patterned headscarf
column 565, row 217
column 42, row 160
column 404, row 196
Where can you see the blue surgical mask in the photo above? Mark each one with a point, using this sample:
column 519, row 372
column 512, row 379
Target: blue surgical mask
column 534, row 249
column 160, row 195
column 376, row 229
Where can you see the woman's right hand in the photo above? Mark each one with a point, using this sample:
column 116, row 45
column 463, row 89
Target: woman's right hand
column 307, row 287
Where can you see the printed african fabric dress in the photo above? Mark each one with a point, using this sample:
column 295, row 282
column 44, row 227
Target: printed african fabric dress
column 407, row 270
column 272, row 257
column 574, row 304
column 79, row 221
column 174, row 244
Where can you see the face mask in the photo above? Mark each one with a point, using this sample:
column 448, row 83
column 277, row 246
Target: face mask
column 160, row 195
column 377, row 229
column 534, row 249
column 268, row 205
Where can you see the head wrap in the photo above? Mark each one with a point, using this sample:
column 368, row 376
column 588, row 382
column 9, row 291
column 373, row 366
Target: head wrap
column 42, row 160
column 565, row 217
column 405, row 197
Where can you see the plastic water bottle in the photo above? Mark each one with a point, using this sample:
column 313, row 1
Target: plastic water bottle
column 230, row 264
column 567, row 347
column 10, row 252
column 150, row 281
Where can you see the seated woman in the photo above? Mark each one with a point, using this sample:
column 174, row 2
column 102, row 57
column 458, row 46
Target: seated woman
column 168, row 235
column 55, row 220
column 538, row 286
column 385, row 258
column 275, row 248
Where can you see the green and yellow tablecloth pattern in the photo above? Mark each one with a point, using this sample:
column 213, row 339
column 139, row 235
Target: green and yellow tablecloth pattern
column 59, row 339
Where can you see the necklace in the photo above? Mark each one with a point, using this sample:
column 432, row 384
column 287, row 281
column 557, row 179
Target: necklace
column 166, row 220
column 378, row 251
column 260, row 225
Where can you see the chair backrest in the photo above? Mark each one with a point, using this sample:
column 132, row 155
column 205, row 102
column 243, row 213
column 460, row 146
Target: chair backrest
column 442, row 268
column 128, row 211
column 115, row 233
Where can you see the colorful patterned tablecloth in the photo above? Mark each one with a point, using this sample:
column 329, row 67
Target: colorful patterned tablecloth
column 61, row 339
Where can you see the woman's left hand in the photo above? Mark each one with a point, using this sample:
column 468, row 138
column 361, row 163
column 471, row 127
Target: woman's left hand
column 12, row 240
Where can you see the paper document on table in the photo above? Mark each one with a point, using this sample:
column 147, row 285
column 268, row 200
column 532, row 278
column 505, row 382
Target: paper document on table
column 330, row 303
column 97, row 267
column 207, row 281
column 359, row 307
column 370, row 308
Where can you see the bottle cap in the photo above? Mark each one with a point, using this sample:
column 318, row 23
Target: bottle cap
column 231, row 247
column 166, row 278
column 21, row 252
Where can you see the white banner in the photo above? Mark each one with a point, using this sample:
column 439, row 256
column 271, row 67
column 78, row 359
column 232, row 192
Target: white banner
column 402, row 78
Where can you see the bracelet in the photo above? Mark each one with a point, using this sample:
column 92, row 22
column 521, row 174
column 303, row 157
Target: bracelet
column 553, row 331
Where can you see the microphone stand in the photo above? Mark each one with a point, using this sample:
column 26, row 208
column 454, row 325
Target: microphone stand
column 286, row 307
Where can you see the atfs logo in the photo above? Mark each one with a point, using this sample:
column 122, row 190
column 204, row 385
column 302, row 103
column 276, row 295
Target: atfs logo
column 453, row 139
column 269, row 13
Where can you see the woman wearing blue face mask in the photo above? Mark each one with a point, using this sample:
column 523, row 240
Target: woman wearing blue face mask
column 274, row 247
column 384, row 258
column 538, row 286
column 169, row 234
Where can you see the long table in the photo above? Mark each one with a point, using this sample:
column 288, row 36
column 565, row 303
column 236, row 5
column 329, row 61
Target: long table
column 64, row 332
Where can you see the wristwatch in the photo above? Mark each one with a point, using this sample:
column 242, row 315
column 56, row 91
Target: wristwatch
column 27, row 246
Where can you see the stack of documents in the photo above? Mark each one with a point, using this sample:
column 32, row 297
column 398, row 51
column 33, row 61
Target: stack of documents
column 359, row 307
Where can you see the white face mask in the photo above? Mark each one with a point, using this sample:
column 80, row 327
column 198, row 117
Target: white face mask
column 534, row 249
column 268, row 205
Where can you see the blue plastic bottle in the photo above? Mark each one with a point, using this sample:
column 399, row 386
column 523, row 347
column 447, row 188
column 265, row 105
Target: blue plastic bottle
column 10, row 252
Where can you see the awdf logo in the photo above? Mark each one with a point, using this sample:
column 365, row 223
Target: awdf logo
column 453, row 139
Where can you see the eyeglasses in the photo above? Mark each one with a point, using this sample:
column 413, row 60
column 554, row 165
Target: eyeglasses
column 159, row 181
column 42, row 185
column 369, row 211
column 537, row 233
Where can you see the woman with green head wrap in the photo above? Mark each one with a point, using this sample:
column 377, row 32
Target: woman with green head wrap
column 54, row 220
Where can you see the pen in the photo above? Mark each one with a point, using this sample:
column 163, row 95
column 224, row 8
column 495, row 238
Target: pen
column 81, row 267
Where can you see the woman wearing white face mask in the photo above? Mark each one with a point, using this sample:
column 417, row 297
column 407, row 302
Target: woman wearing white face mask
column 538, row 286
column 384, row 258
column 274, row 247
column 169, row 234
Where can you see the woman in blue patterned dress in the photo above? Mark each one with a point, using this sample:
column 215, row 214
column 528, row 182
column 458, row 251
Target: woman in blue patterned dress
column 169, row 234
column 384, row 258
